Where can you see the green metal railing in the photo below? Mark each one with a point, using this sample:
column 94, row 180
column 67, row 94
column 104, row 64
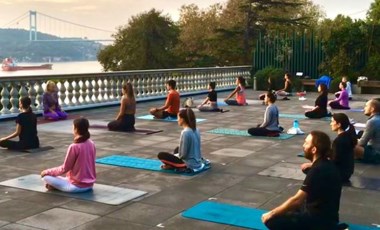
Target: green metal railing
column 297, row 52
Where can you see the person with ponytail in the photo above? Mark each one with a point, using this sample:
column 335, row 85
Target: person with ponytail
column 125, row 119
column 79, row 164
column 239, row 92
column 320, row 107
column 342, row 147
column 26, row 129
column 187, row 157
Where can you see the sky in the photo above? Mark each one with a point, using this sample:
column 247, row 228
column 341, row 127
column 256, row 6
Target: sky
column 110, row 14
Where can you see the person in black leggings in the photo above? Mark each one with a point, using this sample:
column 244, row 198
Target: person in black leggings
column 26, row 129
column 320, row 107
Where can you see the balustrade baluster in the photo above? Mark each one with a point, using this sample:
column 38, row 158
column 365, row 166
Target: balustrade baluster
column 112, row 85
column 83, row 91
column 76, row 92
column 14, row 98
column 32, row 95
column 70, row 93
column 101, row 90
column 96, row 90
column 90, row 93
column 39, row 96
column 119, row 85
column 4, row 98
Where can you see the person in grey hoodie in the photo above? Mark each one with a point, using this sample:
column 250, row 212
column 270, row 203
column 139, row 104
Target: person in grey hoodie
column 270, row 125
column 368, row 148
column 187, row 157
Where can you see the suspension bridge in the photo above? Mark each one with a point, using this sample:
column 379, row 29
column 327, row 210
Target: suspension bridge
column 61, row 30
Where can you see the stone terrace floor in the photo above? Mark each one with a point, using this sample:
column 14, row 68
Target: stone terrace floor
column 236, row 162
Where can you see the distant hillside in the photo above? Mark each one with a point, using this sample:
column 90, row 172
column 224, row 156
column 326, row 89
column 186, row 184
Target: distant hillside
column 15, row 43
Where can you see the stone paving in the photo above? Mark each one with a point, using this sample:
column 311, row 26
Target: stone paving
column 234, row 177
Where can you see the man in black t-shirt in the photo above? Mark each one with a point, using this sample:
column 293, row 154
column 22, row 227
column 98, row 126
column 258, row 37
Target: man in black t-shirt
column 320, row 192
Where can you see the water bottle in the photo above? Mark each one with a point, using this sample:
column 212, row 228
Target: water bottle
column 296, row 124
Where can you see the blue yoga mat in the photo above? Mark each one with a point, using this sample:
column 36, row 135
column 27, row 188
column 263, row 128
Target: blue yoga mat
column 221, row 103
column 170, row 119
column 235, row 215
column 292, row 116
column 356, row 110
column 227, row 214
column 244, row 133
column 300, row 116
column 139, row 163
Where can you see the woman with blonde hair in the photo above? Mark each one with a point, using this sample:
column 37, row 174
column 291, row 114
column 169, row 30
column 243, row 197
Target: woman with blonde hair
column 125, row 119
column 52, row 109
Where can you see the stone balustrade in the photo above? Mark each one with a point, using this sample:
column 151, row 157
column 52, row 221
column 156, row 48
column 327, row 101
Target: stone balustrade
column 80, row 91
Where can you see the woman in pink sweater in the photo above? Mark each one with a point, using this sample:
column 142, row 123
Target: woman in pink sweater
column 79, row 164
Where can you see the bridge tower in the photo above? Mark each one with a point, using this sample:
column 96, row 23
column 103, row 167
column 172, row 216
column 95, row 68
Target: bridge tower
column 32, row 25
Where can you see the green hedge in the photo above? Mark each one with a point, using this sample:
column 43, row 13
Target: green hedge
column 277, row 74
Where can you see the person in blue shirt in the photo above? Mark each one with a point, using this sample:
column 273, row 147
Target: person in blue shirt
column 187, row 157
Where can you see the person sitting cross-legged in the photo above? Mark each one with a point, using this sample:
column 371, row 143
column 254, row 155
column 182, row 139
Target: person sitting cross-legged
column 239, row 91
column 79, row 164
column 187, row 157
column 340, row 102
column 319, row 194
column 270, row 125
column 171, row 107
column 210, row 104
column 368, row 148
column 342, row 147
column 26, row 129
column 320, row 107
column 52, row 109
column 125, row 119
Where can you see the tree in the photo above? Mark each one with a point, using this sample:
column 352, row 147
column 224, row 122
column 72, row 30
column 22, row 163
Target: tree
column 147, row 42
column 266, row 16
column 344, row 46
column 197, row 46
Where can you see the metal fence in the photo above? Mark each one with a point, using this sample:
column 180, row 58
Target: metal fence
column 294, row 52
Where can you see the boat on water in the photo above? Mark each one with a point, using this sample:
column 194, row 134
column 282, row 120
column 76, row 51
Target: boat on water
column 11, row 65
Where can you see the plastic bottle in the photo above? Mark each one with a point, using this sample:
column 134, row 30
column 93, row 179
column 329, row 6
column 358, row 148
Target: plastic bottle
column 296, row 124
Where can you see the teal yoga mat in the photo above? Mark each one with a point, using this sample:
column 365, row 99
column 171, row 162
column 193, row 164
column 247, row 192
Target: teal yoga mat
column 235, row 215
column 227, row 214
column 169, row 119
column 139, row 163
column 300, row 116
column 244, row 133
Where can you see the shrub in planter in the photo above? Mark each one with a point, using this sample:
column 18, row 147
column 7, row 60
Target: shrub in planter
column 262, row 76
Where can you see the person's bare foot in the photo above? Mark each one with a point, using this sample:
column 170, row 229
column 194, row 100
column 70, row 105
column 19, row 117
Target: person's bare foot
column 49, row 187
column 166, row 167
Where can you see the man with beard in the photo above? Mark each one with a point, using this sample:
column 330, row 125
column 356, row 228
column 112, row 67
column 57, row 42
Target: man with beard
column 368, row 148
column 320, row 191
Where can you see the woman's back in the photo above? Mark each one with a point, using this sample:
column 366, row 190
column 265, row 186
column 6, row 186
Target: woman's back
column 240, row 95
column 28, row 134
column 83, row 169
column 343, row 154
column 130, row 105
column 190, row 148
